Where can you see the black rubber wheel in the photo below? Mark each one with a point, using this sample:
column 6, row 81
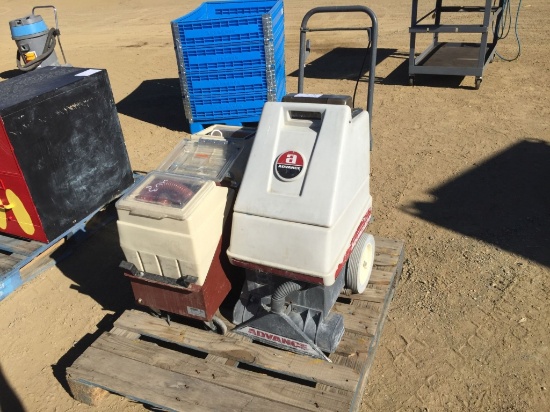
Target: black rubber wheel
column 478, row 83
column 411, row 80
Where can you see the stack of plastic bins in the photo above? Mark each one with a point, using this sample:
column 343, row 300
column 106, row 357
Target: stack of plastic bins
column 231, row 60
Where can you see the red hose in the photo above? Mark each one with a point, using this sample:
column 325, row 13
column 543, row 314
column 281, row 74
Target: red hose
column 166, row 192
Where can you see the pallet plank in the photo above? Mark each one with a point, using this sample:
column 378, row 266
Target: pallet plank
column 257, row 384
column 20, row 246
column 42, row 261
column 389, row 292
column 369, row 295
column 352, row 344
column 264, row 357
column 7, row 262
column 380, row 277
column 162, row 387
column 389, row 246
column 358, row 319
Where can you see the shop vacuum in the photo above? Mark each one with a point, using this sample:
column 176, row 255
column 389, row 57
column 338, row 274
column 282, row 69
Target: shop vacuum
column 35, row 41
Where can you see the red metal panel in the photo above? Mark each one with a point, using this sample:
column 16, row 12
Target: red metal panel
column 194, row 301
column 8, row 162
column 18, row 208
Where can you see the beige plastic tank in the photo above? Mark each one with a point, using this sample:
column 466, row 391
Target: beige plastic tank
column 170, row 225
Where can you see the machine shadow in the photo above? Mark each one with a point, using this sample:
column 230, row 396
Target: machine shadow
column 158, row 102
column 94, row 268
column 59, row 370
column 8, row 74
column 9, row 401
column 504, row 201
column 95, row 272
column 343, row 63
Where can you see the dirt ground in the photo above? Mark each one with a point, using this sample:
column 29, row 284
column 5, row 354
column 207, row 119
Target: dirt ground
column 460, row 174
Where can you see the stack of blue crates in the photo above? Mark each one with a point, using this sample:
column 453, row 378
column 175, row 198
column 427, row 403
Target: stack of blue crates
column 230, row 60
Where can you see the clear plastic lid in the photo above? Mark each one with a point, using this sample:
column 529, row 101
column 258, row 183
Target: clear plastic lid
column 203, row 158
column 162, row 195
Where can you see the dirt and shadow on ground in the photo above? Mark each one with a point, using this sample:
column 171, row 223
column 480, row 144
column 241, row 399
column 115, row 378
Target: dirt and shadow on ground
column 504, row 201
column 158, row 102
column 92, row 264
column 9, row 401
column 400, row 76
column 342, row 63
column 8, row 74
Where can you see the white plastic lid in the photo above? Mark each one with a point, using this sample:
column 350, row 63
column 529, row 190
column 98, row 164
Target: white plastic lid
column 163, row 195
column 231, row 133
column 203, row 158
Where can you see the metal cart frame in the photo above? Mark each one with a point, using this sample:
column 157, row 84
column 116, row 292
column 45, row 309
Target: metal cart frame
column 448, row 58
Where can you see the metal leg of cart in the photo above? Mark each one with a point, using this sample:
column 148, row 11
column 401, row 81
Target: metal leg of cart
column 454, row 58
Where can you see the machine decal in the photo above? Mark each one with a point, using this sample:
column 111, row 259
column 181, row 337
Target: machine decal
column 20, row 212
column 289, row 165
column 281, row 340
column 196, row 312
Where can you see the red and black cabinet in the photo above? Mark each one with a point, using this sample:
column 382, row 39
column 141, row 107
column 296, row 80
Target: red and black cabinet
column 62, row 153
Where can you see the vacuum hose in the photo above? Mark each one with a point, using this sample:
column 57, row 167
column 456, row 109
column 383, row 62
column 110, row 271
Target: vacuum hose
column 280, row 294
column 49, row 47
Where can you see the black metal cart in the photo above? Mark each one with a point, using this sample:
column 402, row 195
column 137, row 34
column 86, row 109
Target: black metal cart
column 454, row 58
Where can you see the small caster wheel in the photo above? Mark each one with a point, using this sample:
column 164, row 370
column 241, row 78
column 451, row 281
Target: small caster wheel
column 478, row 83
column 411, row 80
column 216, row 325
column 359, row 267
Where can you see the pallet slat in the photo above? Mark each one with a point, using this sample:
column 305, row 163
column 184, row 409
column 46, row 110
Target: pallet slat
column 240, row 380
column 20, row 246
column 265, row 357
column 22, row 260
column 161, row 387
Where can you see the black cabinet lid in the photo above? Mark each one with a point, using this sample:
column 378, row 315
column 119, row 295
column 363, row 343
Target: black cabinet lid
column 39, row 82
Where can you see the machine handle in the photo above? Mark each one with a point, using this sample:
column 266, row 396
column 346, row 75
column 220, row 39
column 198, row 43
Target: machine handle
column 373, row 33
column 58, row 33
column 54, row 13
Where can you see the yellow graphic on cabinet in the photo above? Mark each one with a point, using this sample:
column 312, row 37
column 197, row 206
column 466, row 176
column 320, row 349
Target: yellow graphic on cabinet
column 20, row 212
column 3, row 218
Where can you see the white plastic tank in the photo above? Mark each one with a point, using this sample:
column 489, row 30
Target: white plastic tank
column 170, row 225
column 305, row 192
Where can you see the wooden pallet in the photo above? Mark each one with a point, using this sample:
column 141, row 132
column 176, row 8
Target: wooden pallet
column 22, row 260
column 179, row 367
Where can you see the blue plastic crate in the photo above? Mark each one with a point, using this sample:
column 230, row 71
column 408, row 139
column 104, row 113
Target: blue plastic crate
column 231, row 59
column 226, row 54
column 204, row 67
column 214, row 79
column 216, row 23
column 220, row 92
column 220, row 113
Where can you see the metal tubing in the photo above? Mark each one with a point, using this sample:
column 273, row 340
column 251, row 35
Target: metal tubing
column 374, row 42
column 56, row 27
